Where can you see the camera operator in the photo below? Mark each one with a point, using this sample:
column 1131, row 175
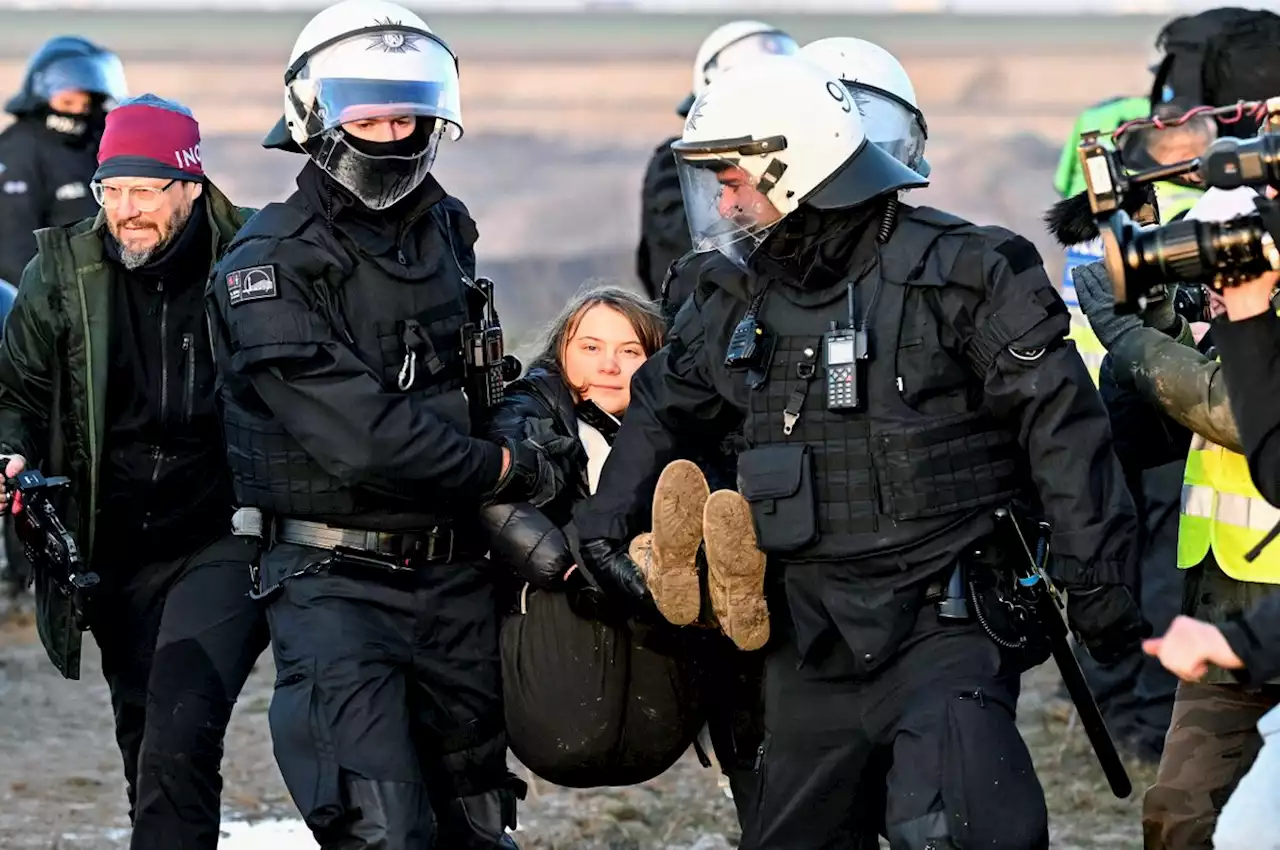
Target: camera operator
column 1212, row 739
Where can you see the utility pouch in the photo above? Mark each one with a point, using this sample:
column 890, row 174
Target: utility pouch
column 778, row 483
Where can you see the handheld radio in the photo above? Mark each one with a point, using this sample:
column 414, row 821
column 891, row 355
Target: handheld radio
column 845, row 356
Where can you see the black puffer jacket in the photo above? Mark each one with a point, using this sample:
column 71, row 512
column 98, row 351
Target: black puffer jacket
column 539, row 544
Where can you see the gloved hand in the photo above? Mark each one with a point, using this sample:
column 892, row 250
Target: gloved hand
column 1093, row 288
column 1107, row 620
column 539, row 466
column 618, row 576
column 1162, row 313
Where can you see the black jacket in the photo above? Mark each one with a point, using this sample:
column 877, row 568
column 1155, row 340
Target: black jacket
column 164, row 476
column 1003, row 308
column 664, row 229
column 44, row 182
column 1250, row 351
column 312, row 358
column 539, row 544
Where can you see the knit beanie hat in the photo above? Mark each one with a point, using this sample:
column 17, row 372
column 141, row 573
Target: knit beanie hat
column 148, row 136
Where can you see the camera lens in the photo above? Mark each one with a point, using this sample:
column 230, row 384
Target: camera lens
column 1140, row 260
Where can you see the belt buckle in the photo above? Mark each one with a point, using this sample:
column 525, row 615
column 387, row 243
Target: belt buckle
column 433, row 540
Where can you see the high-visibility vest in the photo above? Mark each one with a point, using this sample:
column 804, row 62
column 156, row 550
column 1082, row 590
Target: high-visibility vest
column 1173, row 199
column 1223, row 511
column 1091, row 350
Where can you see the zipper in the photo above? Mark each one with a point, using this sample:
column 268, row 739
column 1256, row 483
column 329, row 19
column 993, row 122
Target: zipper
column 189, row 356
column 159, row 459
column 164, row 355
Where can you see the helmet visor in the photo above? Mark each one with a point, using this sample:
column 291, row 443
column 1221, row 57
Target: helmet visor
column 750, row 47
column 382, row 74
column 890, row 124
column 100, row 74
column 727, row 208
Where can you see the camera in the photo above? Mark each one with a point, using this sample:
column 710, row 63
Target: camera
column 1141, row 260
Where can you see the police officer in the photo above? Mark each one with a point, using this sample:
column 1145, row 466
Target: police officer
column 896, row 380
column 664, row 233
column 49, row 154
column 338, row 319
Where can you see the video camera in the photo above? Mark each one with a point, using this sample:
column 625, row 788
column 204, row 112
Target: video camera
column 1141, row 260
column 49, row 545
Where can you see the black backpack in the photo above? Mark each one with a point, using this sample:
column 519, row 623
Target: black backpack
column 1220, row 57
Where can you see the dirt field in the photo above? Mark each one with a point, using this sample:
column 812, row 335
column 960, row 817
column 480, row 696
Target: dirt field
column 561, row 115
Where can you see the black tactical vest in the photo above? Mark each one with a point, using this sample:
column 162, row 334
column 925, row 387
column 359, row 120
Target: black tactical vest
column 408, row 331
column 886, row 477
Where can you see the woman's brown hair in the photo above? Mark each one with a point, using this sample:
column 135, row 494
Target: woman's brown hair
column 642, row 314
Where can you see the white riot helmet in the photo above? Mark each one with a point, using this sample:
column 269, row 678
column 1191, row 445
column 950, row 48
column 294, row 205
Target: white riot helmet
column 766, row 137
column 883, row 92
column 361, row 60
column 730, row 44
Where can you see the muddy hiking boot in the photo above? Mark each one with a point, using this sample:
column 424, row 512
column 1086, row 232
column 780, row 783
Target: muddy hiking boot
column 687, row 517
column 668, row 556
column 735, row 570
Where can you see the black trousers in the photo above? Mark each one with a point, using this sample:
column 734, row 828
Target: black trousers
column 387, row 714
column 931, row 734
column 178, row 639
column 596, row 702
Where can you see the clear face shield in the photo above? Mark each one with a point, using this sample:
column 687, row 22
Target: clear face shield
column 725, row 196
column 751, row 47
column 891, row 124
column 344, row 89
column 100, row 74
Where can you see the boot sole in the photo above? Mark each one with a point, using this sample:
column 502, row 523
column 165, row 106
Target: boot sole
column 678, row 503
column 735, row 570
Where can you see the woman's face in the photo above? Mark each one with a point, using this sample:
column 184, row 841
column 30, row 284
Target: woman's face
column 602, row 355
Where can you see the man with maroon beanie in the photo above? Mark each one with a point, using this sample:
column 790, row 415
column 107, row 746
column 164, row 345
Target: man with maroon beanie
column 106, row 376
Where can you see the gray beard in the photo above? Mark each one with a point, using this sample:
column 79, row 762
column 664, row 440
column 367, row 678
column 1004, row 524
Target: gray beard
column 137, row 259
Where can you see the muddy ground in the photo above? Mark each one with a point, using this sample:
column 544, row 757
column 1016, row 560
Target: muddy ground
column 561, row 115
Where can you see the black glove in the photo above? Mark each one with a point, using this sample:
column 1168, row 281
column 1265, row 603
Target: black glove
column 1106, row 620
column 538, row 468
column 617, row 575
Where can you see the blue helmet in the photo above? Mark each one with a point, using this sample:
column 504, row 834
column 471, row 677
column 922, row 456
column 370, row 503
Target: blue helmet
column 68, row 62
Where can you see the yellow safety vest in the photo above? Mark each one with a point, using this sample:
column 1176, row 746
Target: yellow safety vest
column 1091, row 350
column 1223, row 511
column 1172, row 199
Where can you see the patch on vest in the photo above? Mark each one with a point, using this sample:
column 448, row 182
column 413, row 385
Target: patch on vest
column 252, row 284
column 1020, row 253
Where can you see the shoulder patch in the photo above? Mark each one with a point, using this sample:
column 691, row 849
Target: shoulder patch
column 1020, row 253
column 252, row 284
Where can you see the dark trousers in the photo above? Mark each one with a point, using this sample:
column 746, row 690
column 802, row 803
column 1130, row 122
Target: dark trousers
column 931, row 734
column 596, row 701
column 387, row 714
column 178, row 639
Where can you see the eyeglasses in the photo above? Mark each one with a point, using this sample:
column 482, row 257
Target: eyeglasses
column 145, row 198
